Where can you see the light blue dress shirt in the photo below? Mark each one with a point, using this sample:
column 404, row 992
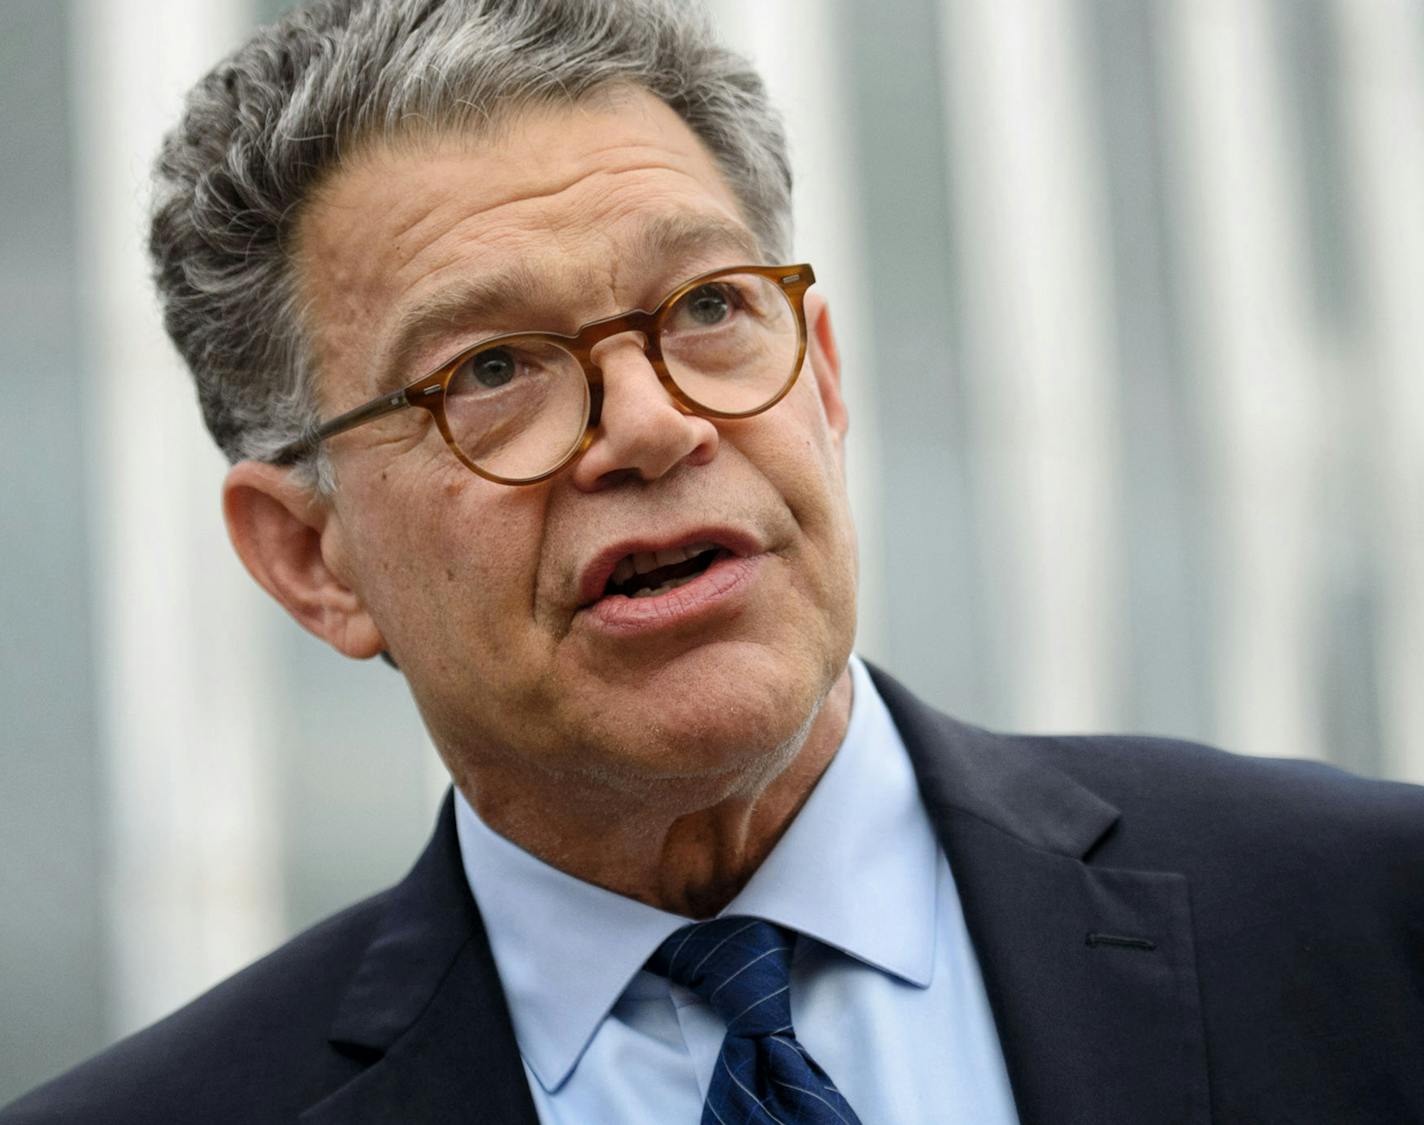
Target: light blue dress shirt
column 885, row 988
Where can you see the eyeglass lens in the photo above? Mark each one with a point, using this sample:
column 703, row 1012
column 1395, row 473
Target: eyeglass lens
column 519, row 409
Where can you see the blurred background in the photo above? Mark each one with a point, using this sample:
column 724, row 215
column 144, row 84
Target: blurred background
column 1128, row 293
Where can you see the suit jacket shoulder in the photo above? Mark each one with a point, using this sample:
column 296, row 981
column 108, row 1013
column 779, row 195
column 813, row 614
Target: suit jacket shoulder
column 307, row 1030
column 1170, row 933
column 1264, row 818
column 267, row 1024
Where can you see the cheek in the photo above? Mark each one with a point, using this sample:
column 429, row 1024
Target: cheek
column 449, row 566
column 806, row 465
column 801, row 456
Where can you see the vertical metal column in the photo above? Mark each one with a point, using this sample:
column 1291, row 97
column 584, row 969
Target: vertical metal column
column 1036, row 281
column 1383, row 60
column 1243, row 238
column 191, row 867
column 51, row 935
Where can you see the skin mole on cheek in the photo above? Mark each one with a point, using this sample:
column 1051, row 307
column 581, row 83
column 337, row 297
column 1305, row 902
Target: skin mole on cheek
column 450, row 573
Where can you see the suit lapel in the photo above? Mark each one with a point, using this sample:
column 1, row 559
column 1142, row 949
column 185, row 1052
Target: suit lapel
column 426, row 1007
column 1090, row 971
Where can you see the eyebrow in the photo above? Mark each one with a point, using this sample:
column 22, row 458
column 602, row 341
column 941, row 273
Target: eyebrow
column 489, row 298
column 682, row 236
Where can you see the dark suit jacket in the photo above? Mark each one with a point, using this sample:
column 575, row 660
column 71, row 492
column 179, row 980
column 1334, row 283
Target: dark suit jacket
column 1167, row 934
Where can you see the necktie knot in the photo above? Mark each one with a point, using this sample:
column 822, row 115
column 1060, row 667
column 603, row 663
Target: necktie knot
column 739, row 966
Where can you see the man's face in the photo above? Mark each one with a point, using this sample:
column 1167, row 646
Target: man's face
column 489, row 596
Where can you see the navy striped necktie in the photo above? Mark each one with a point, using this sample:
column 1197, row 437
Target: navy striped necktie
column 742, row 968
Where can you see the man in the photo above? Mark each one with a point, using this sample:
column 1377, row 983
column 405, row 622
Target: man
column 486, row 303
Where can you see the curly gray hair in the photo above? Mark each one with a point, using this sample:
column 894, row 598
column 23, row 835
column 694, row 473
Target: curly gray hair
column 270, row 122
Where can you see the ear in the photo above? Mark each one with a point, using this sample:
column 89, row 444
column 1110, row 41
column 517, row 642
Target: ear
column 825, row 360
column 279, row 528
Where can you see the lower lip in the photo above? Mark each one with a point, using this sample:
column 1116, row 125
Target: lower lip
column 715, row 589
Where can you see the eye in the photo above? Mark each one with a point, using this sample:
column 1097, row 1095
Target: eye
column 492, row 368
column 708, row 306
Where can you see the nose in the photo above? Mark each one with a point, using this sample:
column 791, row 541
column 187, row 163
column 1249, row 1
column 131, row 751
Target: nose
column 643, row 432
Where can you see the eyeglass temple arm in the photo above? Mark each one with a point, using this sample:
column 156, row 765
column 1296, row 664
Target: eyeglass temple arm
column 376, row 408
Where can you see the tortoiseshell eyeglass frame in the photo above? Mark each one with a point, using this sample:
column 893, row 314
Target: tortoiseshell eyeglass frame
column 428, row 392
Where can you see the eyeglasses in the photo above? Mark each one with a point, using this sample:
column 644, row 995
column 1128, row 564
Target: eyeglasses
column 516, row 409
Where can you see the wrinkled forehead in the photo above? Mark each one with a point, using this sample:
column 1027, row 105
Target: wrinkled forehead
column 539, row 183
column 560, row 213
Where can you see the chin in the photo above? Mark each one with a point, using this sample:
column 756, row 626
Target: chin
column 708, row 726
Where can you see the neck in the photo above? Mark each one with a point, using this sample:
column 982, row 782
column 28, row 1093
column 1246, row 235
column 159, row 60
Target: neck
column 686, row 846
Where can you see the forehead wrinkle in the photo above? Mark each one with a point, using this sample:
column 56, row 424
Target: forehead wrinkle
column 519, row 194
column 519, row 197
column 659, row 245
column 684, row 237
column 662, row 243
column 425, row 224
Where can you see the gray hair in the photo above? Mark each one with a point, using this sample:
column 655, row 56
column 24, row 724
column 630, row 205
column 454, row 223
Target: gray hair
column 265, row 128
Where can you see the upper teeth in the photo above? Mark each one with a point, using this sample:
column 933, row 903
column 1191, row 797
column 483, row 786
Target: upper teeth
column 641, row 562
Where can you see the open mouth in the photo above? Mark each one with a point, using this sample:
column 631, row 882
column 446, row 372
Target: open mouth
column 646, row 574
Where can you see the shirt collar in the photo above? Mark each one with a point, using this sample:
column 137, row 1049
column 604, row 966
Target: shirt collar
column 566, row 949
